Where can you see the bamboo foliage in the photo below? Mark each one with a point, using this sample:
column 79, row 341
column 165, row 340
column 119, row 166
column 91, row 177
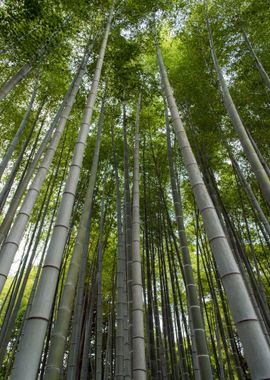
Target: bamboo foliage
column 26, row 69
column 134, row 246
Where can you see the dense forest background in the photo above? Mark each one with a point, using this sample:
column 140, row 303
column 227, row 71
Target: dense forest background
column 135, row 189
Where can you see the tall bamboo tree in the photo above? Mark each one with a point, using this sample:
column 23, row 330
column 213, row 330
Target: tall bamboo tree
column 37, row 321
column 244, row 315
column 249, row 150
column 138, row 349
column 197, row 326
column 12, row 241
column 61, row 325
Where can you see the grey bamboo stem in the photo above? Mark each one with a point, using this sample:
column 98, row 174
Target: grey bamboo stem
column 251, row 196
column 263, row 73
column 61, row 325
column 74, row 349
column 138, row 349
column 256, row 348
column 99, row 330
column 27, row 359
column 195, row 311
column 13, row 81
column 121, row 300
column 127, row 223
column 19, row 132
column 9, row 85
column 258, row 169
column 12, row 241
column 5, row 226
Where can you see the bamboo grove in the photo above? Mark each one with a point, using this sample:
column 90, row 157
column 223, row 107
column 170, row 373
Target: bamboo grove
column 135, row 189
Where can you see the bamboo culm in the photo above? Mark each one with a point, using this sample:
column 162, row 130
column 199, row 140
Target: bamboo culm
column 27, row 359
column 259, row 171
column 19, row 132
column 12, row 241
column 121, row 299
column 263, row 73
column 138, row 349
column 254, row 342
column 6, row 189
column 5, row 226
column 192, row 295
column 26, row 69
column 61, row 324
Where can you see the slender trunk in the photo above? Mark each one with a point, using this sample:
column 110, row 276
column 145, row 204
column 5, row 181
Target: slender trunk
column 169, row 317
column 150, row 321
column 251, row 196
column 19, row 132
column 254, row 342
column 13, row 81
column 192, row 350
column 192, row 295
column 263, row 73
column 127, row 223
column 79, row 309
column 27, row 359
column 139, row 362
column 165, row 331
column 121, row 300
column 77, row 322
column 108, row 353
column 89, row 318
column 249, row 150
column 181, row 349
column 27, row 68
column 99, row 328
column 61, row 324
column 12, row 241
column 6, row 189
column 162, row 368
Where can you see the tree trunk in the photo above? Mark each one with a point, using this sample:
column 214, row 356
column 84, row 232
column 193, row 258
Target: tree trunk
column 12, row 241
column 254, row 342
column 192, row 295
column 249, row 150
column 121, row 301
column 127, row 224
column 263, row 73
column 61, row 116
column 6, row 189
column 13, row 81
column 27, row 68
column 139, row 362
column 61, row 325
column 99, row 328
column 18, row 133
column 27, row 359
